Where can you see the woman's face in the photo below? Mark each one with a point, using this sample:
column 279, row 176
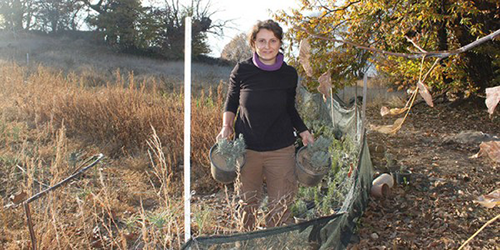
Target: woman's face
column 267, row 46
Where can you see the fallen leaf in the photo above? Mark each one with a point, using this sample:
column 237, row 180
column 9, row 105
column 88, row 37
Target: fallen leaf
column 325, row 84
column 305, row 56
column 489, row 148
column 18, row 198
column 384, row 111
column 388, row 129
column 394, row 111
column 489, row 200
column 424, row 92
column 350, row 171
column 130, row 236
column 492, row 98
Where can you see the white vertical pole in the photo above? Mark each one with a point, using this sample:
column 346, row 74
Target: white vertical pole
column 187, row 130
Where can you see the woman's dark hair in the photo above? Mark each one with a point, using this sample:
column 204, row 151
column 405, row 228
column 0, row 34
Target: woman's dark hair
column 268, row 25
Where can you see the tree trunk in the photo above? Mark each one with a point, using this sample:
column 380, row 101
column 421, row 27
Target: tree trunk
column 442, row 34
column 480, row 67
column 18, row 13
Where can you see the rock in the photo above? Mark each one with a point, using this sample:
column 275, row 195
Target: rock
column 470, row 137
column 374, row 236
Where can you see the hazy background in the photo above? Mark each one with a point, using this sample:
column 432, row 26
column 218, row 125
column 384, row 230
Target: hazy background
column 243, row 14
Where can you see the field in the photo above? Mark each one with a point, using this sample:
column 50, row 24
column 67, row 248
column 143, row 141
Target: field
column 437, row 210
column 63, row 101
column 70, row 101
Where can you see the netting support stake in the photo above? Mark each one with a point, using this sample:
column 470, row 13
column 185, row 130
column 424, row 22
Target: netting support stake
column 356, row 108
column 365, row 90
column 46, row 191
column 331, row 109
column 30, row 225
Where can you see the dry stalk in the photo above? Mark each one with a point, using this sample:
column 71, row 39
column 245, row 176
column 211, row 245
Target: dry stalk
column 34, row 180
column 479, row 230
column 83, row 221
column 220, row 95
column 236, row 206
column 413, row 97
column 60, row 153
column 144, row 229
column 110, row 223
column 54, row 224
column 162, row 171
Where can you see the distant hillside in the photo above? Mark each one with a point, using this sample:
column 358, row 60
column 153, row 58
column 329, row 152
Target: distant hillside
column 77, row 52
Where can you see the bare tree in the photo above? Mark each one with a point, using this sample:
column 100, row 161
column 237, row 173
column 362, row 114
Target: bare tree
column 237, row 50
column 171, row 27
column 16, row 13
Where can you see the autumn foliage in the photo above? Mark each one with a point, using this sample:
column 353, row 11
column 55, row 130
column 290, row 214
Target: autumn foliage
column 400, row 26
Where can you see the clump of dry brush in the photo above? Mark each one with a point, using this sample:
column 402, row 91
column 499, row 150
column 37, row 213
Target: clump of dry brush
column 51, row 122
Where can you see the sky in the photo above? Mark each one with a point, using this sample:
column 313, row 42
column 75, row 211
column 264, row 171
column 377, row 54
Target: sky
column 244, row 14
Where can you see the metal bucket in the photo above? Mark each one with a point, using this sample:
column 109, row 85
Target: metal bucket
column 305, row 175
column 220, row 172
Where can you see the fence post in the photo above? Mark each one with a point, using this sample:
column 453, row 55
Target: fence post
column 187, row 130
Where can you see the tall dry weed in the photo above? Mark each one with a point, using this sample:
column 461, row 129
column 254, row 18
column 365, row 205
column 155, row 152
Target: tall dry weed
column 118, row 117
column 51, row 122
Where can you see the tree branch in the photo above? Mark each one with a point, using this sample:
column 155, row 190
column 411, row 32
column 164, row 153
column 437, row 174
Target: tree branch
column 438, row 54
column 340, row 8
column 97, row 7
column 415, row 44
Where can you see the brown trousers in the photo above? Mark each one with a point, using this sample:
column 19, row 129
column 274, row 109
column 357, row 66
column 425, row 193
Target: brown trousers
column 277, row 167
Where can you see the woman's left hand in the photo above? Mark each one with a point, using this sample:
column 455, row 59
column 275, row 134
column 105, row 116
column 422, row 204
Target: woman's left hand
column 307, row 138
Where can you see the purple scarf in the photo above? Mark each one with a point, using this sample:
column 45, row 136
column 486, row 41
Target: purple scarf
column 274, row 67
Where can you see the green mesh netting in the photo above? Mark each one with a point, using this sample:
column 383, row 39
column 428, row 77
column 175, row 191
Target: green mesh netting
column 331, row 209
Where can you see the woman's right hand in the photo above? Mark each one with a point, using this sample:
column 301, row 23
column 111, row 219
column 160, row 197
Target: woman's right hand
column 225, row 132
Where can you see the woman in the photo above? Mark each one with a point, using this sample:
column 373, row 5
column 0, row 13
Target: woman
column 264, row 88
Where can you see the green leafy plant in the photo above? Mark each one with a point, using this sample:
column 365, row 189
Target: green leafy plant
column 320, row 158
column 231, row 151
column 329, row 196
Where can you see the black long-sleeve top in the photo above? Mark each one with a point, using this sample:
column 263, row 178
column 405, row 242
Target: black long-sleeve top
column 267, row 116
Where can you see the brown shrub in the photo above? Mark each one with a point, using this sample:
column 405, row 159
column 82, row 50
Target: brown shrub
column 117, row 118
column 51, row 122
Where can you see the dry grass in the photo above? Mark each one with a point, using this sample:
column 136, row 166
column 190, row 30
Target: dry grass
column 97, row 64
column 86, row 100
column 51, row 122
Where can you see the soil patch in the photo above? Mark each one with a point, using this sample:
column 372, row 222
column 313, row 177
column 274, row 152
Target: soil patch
column 436, row 210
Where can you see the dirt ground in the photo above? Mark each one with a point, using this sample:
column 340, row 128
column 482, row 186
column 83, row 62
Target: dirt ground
column 436, row 210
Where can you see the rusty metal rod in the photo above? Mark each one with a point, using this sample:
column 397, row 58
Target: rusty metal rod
column 36, row 196
column 30, row 225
